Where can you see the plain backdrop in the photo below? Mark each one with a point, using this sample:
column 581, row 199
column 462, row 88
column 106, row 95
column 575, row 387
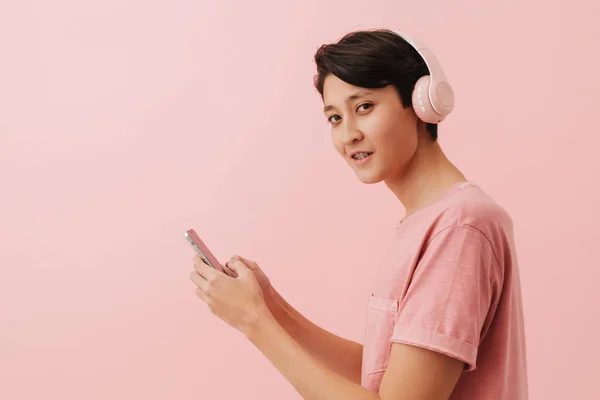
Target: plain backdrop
column 124, row 123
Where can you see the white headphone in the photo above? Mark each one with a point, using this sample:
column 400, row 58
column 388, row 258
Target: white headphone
column 432, row 97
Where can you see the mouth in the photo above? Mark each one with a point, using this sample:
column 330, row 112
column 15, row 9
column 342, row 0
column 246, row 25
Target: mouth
column 361, row 156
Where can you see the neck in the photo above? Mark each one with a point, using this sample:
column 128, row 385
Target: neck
column 429, row 176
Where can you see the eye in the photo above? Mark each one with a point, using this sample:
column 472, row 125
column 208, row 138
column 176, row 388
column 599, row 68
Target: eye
column 367, row 105
column 331, row 119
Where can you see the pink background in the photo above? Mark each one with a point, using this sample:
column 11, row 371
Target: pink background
column 124, row 123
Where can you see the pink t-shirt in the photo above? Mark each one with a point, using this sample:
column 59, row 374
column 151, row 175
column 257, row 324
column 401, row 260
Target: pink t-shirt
column 450, row 283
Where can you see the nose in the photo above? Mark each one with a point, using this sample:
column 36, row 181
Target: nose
column 350, row 133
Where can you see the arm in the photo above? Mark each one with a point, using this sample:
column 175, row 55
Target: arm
column 413, row 373
column 240, row 303
column 445, row 309
column 341, row 355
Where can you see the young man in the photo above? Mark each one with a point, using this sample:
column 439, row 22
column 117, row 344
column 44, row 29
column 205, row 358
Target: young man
column 444, row 320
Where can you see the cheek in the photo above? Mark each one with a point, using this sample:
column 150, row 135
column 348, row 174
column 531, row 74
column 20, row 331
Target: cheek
column 408, row 140
column 337, row 143
column 398, row 143
column 405, row 143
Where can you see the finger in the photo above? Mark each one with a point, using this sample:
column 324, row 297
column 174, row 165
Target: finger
column 238, row 267
column 198, row 259
column 199, row 280
column 228, row 270
column 249, row 263
column 200, row 293
column 205, row 270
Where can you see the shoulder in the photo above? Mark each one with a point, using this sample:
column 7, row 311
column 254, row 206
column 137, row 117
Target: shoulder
column 468, row 214
column 478, row 209
column 473, row 207
column 473, row 216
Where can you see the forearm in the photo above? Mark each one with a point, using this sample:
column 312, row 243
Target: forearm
column 341, row 355
column 311, row 378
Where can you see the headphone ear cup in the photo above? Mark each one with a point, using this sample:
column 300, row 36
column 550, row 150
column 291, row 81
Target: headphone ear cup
column 422, row 102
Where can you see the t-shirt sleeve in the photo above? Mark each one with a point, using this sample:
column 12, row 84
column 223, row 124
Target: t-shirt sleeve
column 452, row 293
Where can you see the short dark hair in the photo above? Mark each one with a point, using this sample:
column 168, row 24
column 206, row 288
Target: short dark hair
column 373, row 59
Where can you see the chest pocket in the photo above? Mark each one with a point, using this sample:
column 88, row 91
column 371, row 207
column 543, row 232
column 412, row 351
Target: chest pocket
column 380, row 320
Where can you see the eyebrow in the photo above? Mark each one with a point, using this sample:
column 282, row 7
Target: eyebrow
column 355, row 96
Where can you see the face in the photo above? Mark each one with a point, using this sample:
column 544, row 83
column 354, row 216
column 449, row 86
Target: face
column 370, row 129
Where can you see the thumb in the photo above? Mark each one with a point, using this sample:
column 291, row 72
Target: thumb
column 228, row 270
column 238, row 267
column 249, row 263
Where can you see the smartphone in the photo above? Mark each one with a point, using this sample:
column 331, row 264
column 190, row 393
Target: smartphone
column 203, row 252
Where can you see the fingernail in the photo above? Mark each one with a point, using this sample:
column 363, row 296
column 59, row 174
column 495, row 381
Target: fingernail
column 235, row 257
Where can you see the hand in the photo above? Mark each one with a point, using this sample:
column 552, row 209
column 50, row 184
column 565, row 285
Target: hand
column 236, row 300
column 261, row 277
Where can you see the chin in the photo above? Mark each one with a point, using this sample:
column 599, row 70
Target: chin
column 368, row 179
